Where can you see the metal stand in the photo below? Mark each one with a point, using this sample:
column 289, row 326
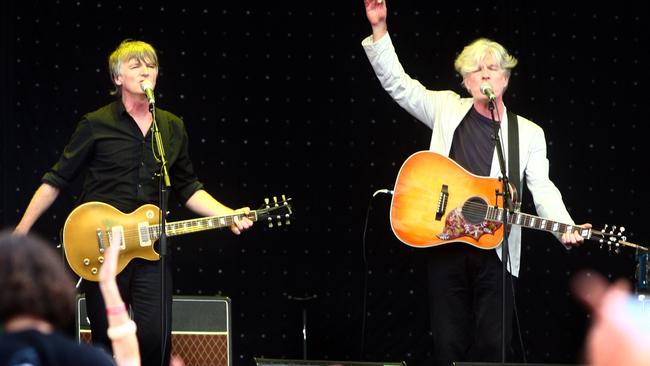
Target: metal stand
column 303, row 300
column 165, row 184
column 507, row 207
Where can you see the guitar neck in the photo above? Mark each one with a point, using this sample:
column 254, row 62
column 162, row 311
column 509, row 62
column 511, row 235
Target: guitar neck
column 535, row 222
column 200, row 224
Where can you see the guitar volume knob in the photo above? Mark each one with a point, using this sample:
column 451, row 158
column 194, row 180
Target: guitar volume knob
column 86, row 261
column 100, row 259
column 93, row 270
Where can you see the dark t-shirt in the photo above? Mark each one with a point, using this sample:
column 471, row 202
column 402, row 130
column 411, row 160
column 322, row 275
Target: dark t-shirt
column 33, row 348
column 473, row 144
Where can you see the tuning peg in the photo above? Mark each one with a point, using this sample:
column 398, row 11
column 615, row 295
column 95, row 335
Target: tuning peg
column 275, row 200
column 284, row 199
column 266, row 202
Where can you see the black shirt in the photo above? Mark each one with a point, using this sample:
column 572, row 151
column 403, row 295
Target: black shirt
column 119, row 162
column 473, row 145
column 34, row 348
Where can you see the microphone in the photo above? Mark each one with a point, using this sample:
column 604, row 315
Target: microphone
column 147, row 88
column 486, row 89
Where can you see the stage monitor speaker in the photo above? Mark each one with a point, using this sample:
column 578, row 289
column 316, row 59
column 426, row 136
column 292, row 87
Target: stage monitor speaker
column 278, row 362
column 508, row 364
column 200, row 329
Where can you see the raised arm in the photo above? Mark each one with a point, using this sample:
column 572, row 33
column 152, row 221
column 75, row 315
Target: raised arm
column 121, row 329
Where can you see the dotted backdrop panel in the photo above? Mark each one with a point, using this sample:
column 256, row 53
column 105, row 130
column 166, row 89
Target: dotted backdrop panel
column 279, row 98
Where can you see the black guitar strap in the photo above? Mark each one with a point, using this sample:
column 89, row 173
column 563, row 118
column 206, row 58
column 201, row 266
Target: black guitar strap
column 513, row 153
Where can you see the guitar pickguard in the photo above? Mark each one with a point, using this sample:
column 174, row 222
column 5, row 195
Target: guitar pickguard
column 456, row 226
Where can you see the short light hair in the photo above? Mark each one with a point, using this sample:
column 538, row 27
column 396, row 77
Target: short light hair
column 472, row 55
column 127, row 50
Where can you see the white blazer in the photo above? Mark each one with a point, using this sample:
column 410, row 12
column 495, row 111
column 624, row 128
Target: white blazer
column 443, row 111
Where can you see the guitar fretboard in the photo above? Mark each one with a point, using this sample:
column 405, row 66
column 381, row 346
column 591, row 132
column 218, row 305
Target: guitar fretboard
column 534, row 222
column 196, row 225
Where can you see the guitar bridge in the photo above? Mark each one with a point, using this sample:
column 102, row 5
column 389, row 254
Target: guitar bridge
column 442, row 202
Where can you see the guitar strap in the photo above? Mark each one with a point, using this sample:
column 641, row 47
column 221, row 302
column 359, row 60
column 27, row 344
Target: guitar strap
column 513, row 152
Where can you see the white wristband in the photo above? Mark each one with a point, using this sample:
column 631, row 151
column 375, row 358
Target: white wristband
column 122, row 330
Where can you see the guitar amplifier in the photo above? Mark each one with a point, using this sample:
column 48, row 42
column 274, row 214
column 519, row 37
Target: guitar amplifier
column 200, row 329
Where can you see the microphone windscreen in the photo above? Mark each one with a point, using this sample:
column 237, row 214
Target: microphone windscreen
column 146, row 85
column 484, row 88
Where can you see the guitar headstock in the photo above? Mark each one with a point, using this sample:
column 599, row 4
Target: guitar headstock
column 276, row 212
column 614, row 238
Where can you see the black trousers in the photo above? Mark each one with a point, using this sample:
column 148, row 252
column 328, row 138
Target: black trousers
column 465, row 304
column 140, row 287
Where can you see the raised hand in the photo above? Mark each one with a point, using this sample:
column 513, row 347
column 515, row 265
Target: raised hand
column 376, row 13
column 619, row 333
column 108, row 270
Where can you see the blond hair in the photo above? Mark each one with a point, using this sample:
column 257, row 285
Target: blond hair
column 127, row 50
column 472, row 55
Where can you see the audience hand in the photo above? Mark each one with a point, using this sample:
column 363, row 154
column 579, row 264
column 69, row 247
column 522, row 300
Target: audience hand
column 620, row 332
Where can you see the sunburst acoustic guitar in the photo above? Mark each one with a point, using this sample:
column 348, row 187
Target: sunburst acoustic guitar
column 436, row 201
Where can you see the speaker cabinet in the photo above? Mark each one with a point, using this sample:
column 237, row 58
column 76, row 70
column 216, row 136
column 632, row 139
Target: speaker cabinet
column 200, row 329
column 277, row 362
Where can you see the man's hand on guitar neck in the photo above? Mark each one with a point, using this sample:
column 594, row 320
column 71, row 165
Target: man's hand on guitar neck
column 240, row 225
column 574, row 238
column 202, row 203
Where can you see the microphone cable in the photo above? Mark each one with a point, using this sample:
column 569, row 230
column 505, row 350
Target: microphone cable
column 364, row 261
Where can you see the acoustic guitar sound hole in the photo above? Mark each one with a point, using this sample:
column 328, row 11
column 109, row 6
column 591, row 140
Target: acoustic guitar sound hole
column 474, row 210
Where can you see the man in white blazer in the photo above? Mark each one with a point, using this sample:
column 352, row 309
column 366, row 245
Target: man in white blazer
column 465, row 289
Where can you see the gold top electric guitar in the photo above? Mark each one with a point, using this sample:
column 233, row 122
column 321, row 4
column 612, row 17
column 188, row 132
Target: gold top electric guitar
column 87, row 231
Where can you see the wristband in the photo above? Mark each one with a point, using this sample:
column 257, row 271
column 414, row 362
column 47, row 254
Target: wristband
column 115, row 309
column 121, row 330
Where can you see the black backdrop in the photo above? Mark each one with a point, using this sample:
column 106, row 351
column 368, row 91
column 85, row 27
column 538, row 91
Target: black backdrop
column 279, row 98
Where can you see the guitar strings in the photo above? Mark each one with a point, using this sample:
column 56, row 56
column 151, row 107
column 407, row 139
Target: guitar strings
column 492, row 214
column 153, row 232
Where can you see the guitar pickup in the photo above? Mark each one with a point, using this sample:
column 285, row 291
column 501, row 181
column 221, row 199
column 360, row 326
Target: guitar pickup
column 143, row 235
column 100, row 240
column 442, row 202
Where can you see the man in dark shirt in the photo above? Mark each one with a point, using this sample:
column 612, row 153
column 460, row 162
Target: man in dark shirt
column 114, row 146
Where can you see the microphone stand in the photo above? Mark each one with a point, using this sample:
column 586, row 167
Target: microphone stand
column 163, row 192
column 507, row 206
